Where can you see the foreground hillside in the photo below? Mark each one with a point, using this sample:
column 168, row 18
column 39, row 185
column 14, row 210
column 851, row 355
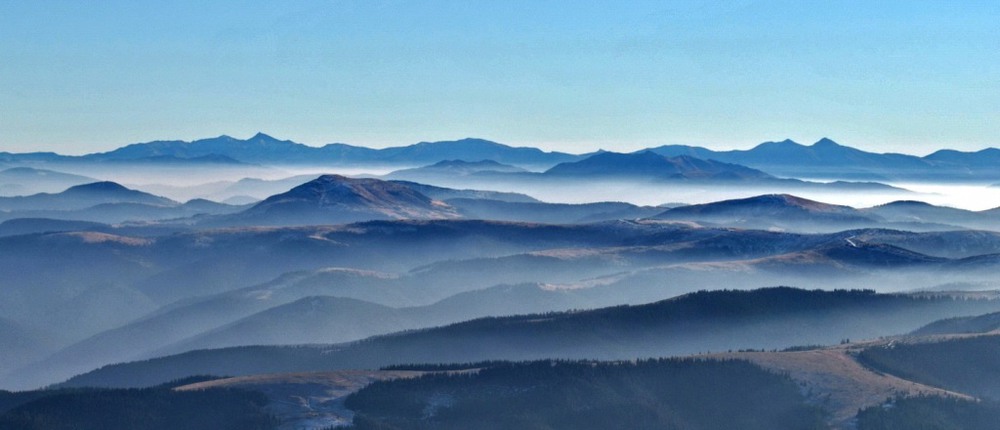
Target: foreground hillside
column 966, row 364
column 699, row 322
column 155, row 408
column 681, row 394
column 802, row 387
column 915, row 383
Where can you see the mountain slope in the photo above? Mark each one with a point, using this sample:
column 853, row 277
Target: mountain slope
column 965, row 364
column 81, row 197
column 703, row 321
column 667, row 394
column 20, row 345
column 316, row 319
column 459, row 172
column 909, row 211
column 459, row 168
column 555, row 213
column 443, row 194
column 773, row 210
column 334, row 199
column 826, row 159
column 472, row 150
column 262, row 148
column 961, row 325
column 652, row 166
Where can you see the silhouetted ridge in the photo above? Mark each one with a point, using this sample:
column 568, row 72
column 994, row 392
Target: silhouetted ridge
column 763, row 205
column 262, row 148
column 648, row 164
column 98, row 187
column 333, row 190
column 445, row 163
column 906, row 203
column 83, row 196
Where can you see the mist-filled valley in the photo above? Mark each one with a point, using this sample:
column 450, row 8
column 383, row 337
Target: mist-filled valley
column 456, row 272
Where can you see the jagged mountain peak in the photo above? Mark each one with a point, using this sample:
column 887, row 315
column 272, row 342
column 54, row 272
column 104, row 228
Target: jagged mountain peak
column 827, row 143
column 261, row 136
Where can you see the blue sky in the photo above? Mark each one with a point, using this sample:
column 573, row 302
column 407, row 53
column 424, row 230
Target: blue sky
column 904, row 76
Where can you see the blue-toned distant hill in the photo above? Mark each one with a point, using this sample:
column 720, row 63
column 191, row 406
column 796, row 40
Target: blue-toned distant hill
column 785, row 211
column 650, row 165
column 470, row 149
column 334, row 199
column 989, row 158
column 768, row 211
column 824, row 159
column 82, row 196
column 456, row 170
column 828, row 159
column 444, row 194
column 911, row 211
column 20, row 345
column 209, row 159
column 260, row 147
column 265, row 149
column 101, row 202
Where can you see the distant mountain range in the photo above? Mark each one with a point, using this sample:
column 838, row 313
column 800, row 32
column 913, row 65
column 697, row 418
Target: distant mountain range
column 649, row 165
column 828, row 159
column 645, row 167
column 265, row 149
column 824, row 159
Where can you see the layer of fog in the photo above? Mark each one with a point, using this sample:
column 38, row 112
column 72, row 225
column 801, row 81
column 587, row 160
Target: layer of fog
column 183, row 183
column 958, row 195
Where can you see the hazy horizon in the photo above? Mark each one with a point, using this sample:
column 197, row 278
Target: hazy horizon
column 543, row 147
